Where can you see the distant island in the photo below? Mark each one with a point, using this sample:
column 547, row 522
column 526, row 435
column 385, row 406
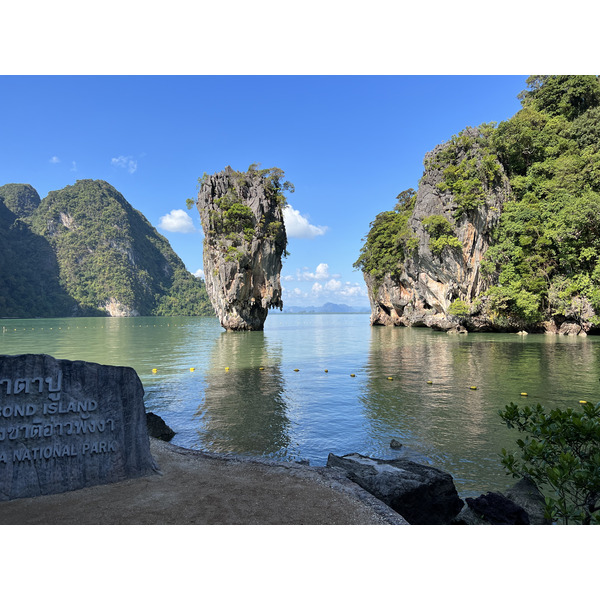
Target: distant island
column 85, row 251
column 328, row 307
column 503, row 233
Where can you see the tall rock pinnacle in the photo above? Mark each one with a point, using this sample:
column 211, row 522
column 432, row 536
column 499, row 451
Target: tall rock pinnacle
column 242, row 219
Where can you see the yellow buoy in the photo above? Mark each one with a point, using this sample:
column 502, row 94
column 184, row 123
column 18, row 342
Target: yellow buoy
column 430, row 382
column 261, row 368
column 523, row 393
column 296, row 370
column 227, row 368
column 326, row 371
column 391, row 378
column 473, row 387
column 154, row 370
column 352, row 375
column 583, row 402
column 192, row 369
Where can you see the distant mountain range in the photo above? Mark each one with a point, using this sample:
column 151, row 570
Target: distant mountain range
column 328, row 307
column 85, row 251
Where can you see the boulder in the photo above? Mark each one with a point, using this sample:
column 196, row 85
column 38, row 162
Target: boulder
column 568, row 328
column 67, row 425
column 497, row 509
column 526, row 494
column 395, row 445
column 157, row 428
column 423, row 495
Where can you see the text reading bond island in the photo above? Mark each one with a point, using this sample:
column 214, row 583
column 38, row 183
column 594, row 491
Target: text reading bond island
column 66, row 425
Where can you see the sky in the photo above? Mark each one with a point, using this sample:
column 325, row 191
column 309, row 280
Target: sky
column 349, row 144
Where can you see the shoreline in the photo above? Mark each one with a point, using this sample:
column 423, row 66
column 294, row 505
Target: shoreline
column 199, row 488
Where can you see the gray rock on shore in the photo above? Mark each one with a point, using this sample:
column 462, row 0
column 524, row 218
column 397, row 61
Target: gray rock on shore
column 423, row 495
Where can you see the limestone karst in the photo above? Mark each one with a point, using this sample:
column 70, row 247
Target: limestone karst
column 245, row 239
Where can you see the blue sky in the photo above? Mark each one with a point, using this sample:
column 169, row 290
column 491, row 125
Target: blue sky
column 349, row 144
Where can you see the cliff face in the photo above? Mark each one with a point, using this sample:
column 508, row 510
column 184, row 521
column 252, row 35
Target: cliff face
column 451, row 232
column 242, row 219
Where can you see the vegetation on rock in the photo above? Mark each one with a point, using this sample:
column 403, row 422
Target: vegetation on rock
column 389, row 239
column 100, row 253
column 244, row 241
column 543, row 261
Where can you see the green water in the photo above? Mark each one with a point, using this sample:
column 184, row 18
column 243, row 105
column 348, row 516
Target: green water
column 229, row 404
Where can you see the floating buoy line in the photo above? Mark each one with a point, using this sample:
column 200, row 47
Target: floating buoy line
column 6, row 330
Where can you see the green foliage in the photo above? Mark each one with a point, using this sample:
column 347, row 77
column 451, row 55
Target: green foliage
column 389, row 240
column 567, row 95
column 232, row 222
column 105, row 250
column 546, row 249
column 544, row 256
column 560, row 452
column 29, row 272
column 20, row 198
column 470, row 168
column 440, row 232
column 459, row 308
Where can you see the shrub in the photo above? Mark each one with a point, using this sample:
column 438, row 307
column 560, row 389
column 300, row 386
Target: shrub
column 561, row 454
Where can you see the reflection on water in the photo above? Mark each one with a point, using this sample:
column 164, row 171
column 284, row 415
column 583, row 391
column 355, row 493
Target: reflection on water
column 291, row 414
column 244, row 409
column 456, row 427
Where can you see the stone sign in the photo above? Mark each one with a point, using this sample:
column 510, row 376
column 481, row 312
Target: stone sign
column 66, row 425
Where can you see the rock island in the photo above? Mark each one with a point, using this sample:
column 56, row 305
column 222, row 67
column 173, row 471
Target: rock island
column 245, row 239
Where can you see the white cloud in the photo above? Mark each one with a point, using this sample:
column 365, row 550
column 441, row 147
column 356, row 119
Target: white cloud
column 353, row 291
column 199, row 273
column 321, row 273
column 297, row 225
column 316, row 289
column 125, row 162
column 177, row 221
column 333, row 285
column 54, row 160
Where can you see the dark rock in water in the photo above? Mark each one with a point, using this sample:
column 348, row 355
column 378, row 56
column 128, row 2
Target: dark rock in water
column 245, row 238
column 527, row 495
column 395, row 445
column 498, row 509
column 157, row 428
column 69, row 424
column 423, row 495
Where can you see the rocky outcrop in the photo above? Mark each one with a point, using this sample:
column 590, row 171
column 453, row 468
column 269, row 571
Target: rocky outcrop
column 114, row 308
column 157, row 428
column 245, row 238
column 423, row 495
column 521, row 504
column 433, row 277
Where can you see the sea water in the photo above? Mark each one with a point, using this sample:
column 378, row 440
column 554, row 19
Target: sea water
column 313, row 384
